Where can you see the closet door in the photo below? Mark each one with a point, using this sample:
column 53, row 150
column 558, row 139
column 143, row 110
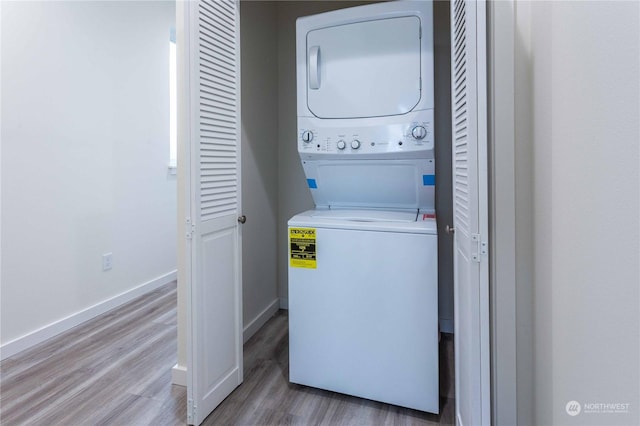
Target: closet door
column 470, row 212
column 214, row 296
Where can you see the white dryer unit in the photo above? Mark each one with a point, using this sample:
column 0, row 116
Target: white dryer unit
column 363, row 290
column 365, row 105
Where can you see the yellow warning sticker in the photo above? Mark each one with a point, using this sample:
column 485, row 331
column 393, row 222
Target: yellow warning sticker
column 302, row 247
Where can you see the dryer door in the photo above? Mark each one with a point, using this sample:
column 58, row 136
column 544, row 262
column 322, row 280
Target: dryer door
column 364, row 69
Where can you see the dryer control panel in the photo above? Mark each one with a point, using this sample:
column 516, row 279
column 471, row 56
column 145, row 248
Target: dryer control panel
column 414, row 138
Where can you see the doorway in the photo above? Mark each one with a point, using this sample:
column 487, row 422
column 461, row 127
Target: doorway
column 291, row 195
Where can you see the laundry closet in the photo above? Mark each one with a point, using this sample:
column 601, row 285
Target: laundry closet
column 273, row 185
column 273, row 182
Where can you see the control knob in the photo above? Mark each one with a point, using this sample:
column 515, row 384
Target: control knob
column 355, row 144
column 307, row 136
column 419, row 132
column 342, row 144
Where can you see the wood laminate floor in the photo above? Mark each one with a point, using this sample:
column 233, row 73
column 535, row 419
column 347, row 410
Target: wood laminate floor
column 116, row 370
column 267, row 398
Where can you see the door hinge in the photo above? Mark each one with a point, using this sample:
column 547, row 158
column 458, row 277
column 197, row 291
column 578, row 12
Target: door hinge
column 190, row 228
column 191, row 411
column 481, row 248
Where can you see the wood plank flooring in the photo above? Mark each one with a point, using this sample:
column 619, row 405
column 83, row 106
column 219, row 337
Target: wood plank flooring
column 116, row 370
column 267, row 398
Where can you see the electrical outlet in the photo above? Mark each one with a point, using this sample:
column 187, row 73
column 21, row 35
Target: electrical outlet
column 107, row 261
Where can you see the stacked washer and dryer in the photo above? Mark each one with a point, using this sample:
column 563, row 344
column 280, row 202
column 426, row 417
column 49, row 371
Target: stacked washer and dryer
column 363, row 279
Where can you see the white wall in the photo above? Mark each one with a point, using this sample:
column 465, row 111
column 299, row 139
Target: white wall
column 444, row 189
column 85, row 150
column 578, row 133
column 258, row 31
column 505, row 272
column 525, row 213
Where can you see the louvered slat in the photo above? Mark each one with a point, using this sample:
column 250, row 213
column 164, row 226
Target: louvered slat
column 460, row 116
column 218, row 109
column 218, row 120
column 217, row 106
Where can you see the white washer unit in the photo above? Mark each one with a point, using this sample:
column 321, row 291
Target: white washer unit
column 363, row 298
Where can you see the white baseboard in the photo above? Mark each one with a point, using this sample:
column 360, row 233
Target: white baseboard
column 446, row 325
column 38, row 336
column 179, row 375
column 255, row 324
column 284, row 303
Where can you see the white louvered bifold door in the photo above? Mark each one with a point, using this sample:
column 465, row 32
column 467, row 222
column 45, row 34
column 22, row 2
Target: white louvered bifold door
column 470, row 197
column 215, row 301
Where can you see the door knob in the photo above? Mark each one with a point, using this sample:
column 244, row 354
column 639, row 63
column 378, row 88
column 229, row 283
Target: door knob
column 450, row 229
column 242, row 219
